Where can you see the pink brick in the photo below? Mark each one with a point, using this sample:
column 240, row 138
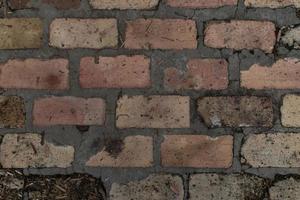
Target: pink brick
column 201, row 3
column 115, row 72
column 35, row 74
column 68, row 111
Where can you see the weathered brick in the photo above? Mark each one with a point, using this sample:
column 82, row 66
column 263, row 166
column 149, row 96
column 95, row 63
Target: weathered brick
column 115, row 72
column 283, row 74
column 35, row 74
column 197, row 151
column 133, row 151
column 21, row 33
column 29, row 150
column 201, row 3
column 123, row 4
column 19, row 4
column 288, row 189
column 154, row 187
column 236, row 111
column 161, row 34
column 241, row 34
column 153, row 112
column 291, row 37
column 12, row 112
column 210, row 74
column 290, row 111
column 11, row 185
column 83, row 33
column 272, row 3
column 272, row 150
column 68, row 111
column 233, row 187
column 58, row 4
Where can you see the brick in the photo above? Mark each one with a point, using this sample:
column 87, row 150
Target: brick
column 12, row 112
column 19, row 4
column 201, row 3
column 290, row 111
column 83, row 33
column 161, row 34
column 58, row 4
column 35, row 74
column 286, row 189
column 241, row 34
column 283, row 74
column 153, row 112
column 272, row 150
column 236, row 111
column 30, row 151
column 209, row 74
column 197, row 151
column 21, row 33
column 133, row 151
column 272, row 3
column 123, row 4
column 115, row 72
column 291, row 37
column 68, row 111
column 233, row 187
column 154, row 187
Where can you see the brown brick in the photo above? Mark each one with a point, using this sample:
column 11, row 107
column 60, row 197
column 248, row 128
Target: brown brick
column 28, row 150
column 154, row 187
column 21, row 33
column 19, row 4
column 161, row 34
column 153, row 112
column 272, row 150
column 209, row 74
column 227, row 187
column 35, row 74
column 123, row 4
column 68, row 111
column 115, row 72
column 238, row 111
column 201, row 3
column 12, row 111
column 133, row 151
column 197, row 151
column 241, row 34
column 58, row 4
column 83, row 33
column 290, row 111
column 272, row 3
column 284, row 74
column 288, row 189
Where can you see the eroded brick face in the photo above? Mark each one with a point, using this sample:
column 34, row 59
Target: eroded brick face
column 201, row 3
column 58, row 4
column 123, row 4
column 272, row 3
column 290, row 111
column 12, row 112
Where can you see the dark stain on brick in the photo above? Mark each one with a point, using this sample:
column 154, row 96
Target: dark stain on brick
column 18, row 4
column 114, row 146
column 63, row 4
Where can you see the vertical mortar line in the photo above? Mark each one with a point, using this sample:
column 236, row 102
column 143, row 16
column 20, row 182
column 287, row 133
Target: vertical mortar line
column 157, row 140
column 237, row 145
column 186, row 186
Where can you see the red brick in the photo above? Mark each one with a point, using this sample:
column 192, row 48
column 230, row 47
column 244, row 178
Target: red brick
column 161, row 34
column 241, row 34
column 283, row 74
column 115, row 72
column 68, row 111
column 210, row 74
column 35, row 74
column 123, row 4
column 58, row 4
column 201, row 3
column 197, row 151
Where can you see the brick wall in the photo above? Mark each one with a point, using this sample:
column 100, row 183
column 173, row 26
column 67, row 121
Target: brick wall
column 150, row 99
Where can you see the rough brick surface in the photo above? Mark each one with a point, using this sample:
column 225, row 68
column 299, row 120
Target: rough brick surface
column 238, row 111
column 58, row 4
column 161, row 34
column 21, row 33
column 153, row 112
column 154, row 187
column 197, row 151
column 28, row 150
column 115, row 72
column 272, row 3
column 286, row 189
column 133, row 151
column 241, row 34
column 272, row 150
column 233, row 187
column 35, row 74
column 291, row 37
column 83, row 33
column 283, row 74
column 12, row 112
column 201, row 3
column 290, row 111
column 209, row 74
column 123, row 4
column 68, row 111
